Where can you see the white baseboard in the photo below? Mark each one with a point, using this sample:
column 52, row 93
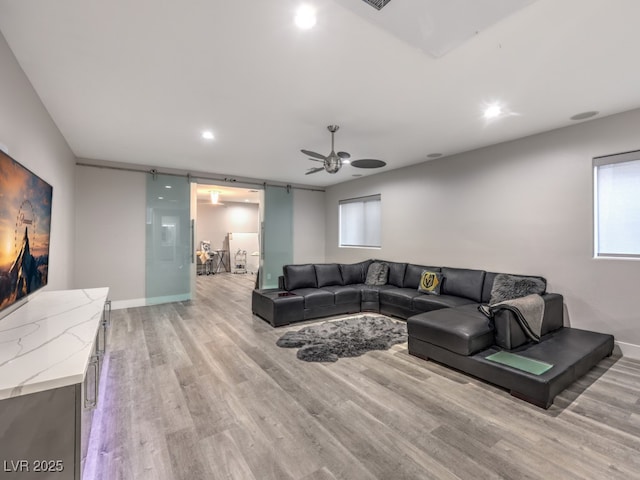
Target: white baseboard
column 145, row 302
column 629, row 350
column 169, row 299
column 132, row 303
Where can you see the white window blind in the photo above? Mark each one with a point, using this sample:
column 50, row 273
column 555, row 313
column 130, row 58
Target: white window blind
column 617, row 205
column 360, row 224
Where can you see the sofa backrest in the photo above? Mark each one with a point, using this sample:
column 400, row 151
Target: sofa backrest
column 299, row 276
column 353, row 273
column 463, row 282
column 488, row 285
column 396, row 273
column 413, row 273
column 473, row 284
column 328, row 274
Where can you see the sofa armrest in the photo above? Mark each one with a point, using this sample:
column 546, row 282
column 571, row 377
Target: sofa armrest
column 509, row 334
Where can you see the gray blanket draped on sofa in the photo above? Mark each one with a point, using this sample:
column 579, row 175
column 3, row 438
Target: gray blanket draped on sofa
column 529, row 312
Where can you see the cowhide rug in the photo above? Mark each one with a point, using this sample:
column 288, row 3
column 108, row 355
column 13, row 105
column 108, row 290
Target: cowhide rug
column 350, row 337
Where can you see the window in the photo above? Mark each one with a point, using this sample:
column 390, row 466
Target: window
column 360, row 222
column 617, row 205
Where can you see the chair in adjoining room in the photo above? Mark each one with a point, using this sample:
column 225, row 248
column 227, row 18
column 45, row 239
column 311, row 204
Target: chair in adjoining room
column 204, row 259
column 201, row 267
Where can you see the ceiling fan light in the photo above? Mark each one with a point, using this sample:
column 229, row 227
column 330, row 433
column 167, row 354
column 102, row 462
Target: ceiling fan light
column 333, row 164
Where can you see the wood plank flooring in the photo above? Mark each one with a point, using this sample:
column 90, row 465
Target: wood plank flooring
column 199, row 390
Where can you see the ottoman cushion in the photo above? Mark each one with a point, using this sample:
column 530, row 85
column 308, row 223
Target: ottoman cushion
column 344, row 294
column 315, row 297
column 402, row 297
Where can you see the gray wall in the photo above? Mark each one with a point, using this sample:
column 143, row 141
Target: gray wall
column 33, row 139
column 308, row 226
column 521, row 207
column 110, row 234
column 214, row 222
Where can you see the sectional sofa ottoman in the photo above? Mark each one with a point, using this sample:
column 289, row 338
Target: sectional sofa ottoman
column 447, row 328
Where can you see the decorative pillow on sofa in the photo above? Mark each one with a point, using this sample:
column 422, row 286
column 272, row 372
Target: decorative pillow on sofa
column 508, row 287
column 377, row 274
column 430, row 282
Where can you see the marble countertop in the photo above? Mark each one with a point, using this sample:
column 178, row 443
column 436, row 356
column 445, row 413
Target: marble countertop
column 47, row 342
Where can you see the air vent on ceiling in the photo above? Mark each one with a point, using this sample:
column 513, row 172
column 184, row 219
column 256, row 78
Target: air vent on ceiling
column 377, row 4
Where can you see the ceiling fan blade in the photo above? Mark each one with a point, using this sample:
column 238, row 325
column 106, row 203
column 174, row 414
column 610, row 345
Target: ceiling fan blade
column 344, row 155
column 368, row 163
column 315, row 160
column 314, row 170
column 313, row 154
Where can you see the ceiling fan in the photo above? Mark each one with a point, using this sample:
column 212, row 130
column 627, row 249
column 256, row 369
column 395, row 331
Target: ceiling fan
column 332, row 162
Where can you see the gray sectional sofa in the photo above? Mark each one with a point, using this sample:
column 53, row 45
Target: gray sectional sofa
column 447, row 328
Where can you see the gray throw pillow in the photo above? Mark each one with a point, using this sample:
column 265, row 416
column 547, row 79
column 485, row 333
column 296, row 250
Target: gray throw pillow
column 508, row 287
column 377, row 274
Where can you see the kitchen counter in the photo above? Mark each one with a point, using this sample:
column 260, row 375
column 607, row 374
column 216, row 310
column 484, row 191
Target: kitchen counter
column 47, row 342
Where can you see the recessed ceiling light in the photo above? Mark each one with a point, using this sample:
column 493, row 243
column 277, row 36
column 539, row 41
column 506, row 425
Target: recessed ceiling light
column 160, row 198
column 584, row 115
column 167, row 186
column 208, row 135
column 492, row 111
column 305, row 17
column 246, row 200
column 434, row 155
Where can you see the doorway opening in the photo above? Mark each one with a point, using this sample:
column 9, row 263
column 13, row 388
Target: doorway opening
column 227, row 229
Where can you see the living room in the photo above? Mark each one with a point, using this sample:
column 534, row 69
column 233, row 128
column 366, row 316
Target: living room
column 523, row 205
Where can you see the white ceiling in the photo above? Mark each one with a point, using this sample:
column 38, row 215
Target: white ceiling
column 137, row 82
column 436, row 26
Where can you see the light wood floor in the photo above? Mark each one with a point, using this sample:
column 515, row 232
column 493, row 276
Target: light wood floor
column 199, row 390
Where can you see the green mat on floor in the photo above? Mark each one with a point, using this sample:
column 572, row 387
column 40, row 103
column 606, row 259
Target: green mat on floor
column 521, row 363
